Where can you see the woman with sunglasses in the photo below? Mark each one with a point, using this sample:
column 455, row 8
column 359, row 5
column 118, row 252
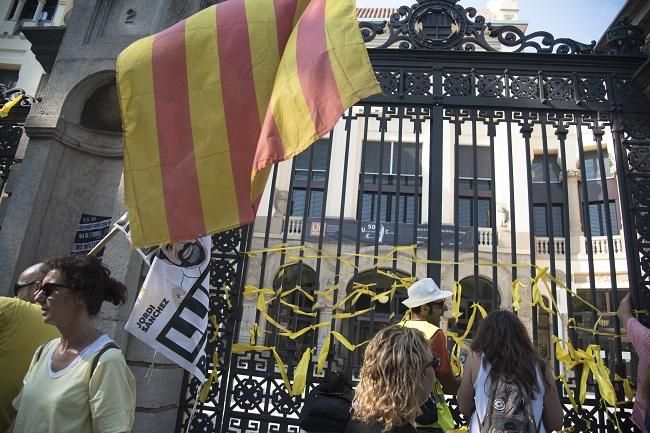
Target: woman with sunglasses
column 395, row 380
column 79, row 382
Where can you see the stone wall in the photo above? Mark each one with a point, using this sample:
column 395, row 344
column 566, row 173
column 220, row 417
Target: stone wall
column 69, row 169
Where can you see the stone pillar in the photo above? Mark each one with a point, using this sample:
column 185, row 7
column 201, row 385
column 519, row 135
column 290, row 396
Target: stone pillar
column 39, row 10
column 16, row 16
column 575, row 225
column 19, row 10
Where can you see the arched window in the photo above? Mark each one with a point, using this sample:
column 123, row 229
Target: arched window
column 101, row 111
column 485, row 293
column 295, row 281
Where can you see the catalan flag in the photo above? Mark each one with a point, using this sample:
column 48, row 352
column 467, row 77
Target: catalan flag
column 209, row 104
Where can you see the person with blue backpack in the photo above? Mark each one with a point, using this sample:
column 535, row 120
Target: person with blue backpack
column 506, row 385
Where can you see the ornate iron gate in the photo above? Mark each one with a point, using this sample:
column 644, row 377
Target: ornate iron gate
column 11, row 130
column 491, row 158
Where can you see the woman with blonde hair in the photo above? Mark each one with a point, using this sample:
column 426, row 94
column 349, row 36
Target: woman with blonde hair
column 395, row 380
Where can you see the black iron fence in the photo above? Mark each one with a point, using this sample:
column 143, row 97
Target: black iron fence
column 519, row 177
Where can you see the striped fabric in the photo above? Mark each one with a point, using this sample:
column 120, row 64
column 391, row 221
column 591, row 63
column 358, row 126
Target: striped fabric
column 209, row 104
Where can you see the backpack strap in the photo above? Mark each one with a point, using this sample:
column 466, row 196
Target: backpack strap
column 39, row 351
column 93, row 366
column 539, row 424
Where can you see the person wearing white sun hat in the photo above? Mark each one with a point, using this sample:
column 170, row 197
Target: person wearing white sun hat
column 427, row 304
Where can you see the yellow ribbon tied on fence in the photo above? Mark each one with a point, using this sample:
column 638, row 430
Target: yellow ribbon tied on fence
column 592, row 363
column 538, row 299
column 6, row 108
column 457, row 292
column 516, row 294
column 241, row 348
column 300, row 373
column 214, row 375
column 322, row 357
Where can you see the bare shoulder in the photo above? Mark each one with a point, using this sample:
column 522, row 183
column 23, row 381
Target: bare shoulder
column 473, row 364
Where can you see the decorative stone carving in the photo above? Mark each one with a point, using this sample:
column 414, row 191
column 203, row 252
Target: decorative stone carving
column 280, row 202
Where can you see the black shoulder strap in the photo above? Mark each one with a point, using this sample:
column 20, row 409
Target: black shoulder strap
column 110, row 345
column 39, row 351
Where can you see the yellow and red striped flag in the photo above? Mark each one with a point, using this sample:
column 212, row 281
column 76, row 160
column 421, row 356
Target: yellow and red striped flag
column 209, row 104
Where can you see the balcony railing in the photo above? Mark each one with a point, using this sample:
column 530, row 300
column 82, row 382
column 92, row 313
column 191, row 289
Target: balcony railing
column 294, row 227
column 544, row 246
column 599, row 246
column 484, row 239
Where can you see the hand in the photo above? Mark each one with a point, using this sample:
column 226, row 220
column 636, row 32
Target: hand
column 624, row 311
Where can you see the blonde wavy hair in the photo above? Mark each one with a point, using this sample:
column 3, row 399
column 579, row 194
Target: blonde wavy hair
column 389, row 391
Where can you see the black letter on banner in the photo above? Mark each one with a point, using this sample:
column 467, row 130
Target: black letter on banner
column 180, row 325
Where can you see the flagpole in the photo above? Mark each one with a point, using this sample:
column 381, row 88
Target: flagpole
column 102, row 243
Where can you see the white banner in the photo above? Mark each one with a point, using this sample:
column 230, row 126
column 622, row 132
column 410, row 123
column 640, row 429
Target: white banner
column 171, row 312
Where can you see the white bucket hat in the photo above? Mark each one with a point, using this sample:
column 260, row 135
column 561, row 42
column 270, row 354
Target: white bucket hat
column 424, row 291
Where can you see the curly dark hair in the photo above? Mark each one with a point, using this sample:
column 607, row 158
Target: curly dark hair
column 506, row 346
column 87, row 276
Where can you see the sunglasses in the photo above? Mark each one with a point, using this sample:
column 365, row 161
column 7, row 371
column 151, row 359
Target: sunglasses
column 48, row 288
column 440, row 304
column 19, row 286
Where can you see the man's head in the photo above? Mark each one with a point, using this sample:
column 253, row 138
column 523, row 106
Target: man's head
column 427, row 301
column 28, row 281
column 183, row 254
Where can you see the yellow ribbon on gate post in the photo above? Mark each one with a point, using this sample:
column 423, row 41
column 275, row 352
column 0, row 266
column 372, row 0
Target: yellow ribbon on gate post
column 516, row 294
column 457, row 292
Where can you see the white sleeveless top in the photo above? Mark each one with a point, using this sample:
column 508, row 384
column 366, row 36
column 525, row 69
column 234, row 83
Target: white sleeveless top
column 481, row 389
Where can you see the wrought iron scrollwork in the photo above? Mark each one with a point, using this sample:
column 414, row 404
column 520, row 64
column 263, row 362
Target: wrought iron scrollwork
column 623, row 38
column 7, row 95
column 370, row 30
column 540, row 42
column 433, row 25
column 446, row 25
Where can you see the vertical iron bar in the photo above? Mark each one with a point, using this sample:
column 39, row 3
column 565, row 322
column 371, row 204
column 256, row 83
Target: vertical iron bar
column 457, row 133
column 434, row 221
column 512, row 213
column 586, row 227
column 598, row 131
column 561, row 132
column 493, row 208
column 474, row 212
column 417, row 202
column 339, row 241
column 549, row 223
column 527, row 131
